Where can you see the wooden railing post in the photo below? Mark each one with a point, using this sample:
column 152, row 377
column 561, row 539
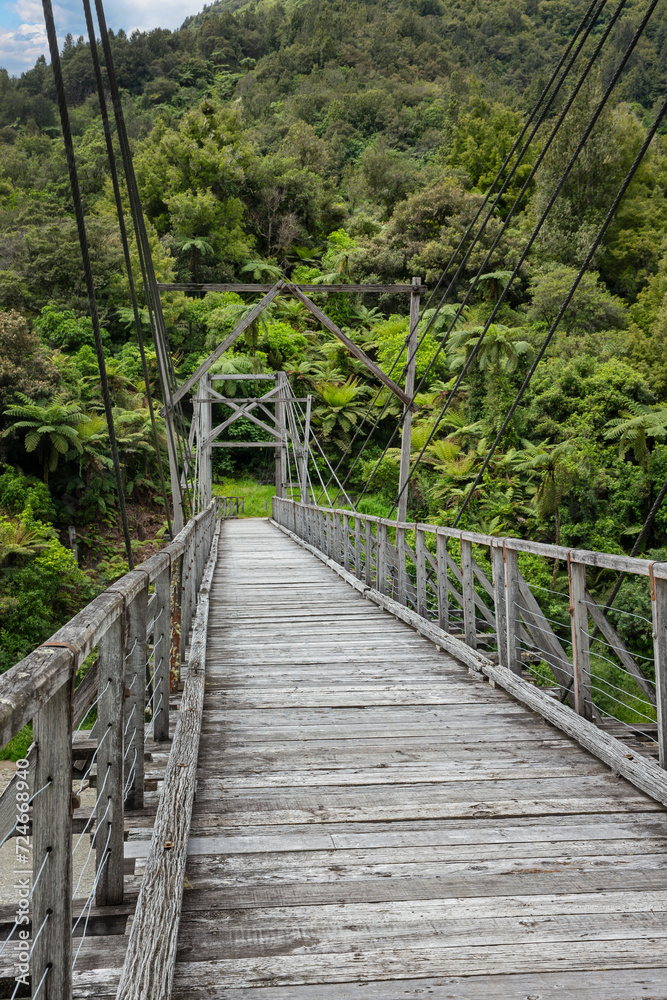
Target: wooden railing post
column 581, row 657
column 469, row 618
column 443, row 598
column 346, row 542
column 659, row 606
column 176, row 641
column 381, row 557
column 135, row 703
column 401, row 578
column 500, row 606
column 420, row 546
column 368, row 554
column 52, row 847
column 357, row 546
column 161, row 656
column 512, row 598
column 110, row 806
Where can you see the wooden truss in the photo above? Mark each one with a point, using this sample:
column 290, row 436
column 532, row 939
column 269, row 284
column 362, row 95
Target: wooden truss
column 273, row 411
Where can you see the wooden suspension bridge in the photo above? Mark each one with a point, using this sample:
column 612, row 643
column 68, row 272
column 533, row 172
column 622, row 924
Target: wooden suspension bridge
column 348, row 798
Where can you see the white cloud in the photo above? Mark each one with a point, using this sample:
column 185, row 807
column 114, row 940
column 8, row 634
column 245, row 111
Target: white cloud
column 23, row 37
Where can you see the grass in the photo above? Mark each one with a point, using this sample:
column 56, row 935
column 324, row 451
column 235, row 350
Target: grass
column 256, row 496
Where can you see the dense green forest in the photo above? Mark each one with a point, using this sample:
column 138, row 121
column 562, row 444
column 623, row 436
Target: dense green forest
column 334, row 141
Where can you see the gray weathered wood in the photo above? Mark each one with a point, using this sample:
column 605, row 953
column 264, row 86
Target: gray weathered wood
column 500, row 606
column 240, row 328
column 52, row 846
column 469, row 618
column 659, row 610
column 161, row 656
column 135, row 701
column 311, row 289
column 581, row 658
column 512, row 599
column 619, row 647
column 443, row 597
column 151, row 954
column 420, row 566
column 351, row 346
column 406, row 431
column 109, row 809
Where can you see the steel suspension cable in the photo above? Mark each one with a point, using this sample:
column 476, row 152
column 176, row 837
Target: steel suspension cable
column 564, row 306
column 126, row 248
column 143, row 246
column 490, row 212
column 533, row 115
column 561, row 182
column 87, row 269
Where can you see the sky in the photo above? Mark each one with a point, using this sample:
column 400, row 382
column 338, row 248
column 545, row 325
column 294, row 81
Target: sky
column 23, row 38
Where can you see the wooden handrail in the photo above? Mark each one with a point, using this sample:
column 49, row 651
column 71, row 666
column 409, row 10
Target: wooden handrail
column 425, row 582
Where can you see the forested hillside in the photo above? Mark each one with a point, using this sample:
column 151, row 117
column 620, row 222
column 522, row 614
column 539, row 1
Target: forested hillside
column 334, row 141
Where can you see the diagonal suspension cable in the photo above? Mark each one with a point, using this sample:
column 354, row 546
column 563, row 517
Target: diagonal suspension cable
column 564, row 176
column 561, row 312
column 87, row 269
column 126, row 248
column 151, row 292
column 491, row 210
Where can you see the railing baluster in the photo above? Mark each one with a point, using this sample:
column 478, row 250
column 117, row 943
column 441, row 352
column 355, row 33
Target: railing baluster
column 512, row 596
column 346, row 542
column 52, row 847
column 500, row 606
column 659, row 607
column 401, row 578
column 581, row 656
column 443, row 598
column 469, row 617
column 161, row 658
column 381, row 557
column 368, row 555
column 109, row 833
column 135, row 703
column 420, row 545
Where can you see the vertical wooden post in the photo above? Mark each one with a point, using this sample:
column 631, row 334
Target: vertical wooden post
column 406, row 433
column 659, row 606
column 443, row 599
column 52, row 847
column 176, row 624
column 357, row 546
column 368, row 554
column 498, row 567
column 469, row 619
column 346, row 541
column 110, row 806
column 513, row 614
column 401, row 578
column 206, row 456
column 381, row 557
column 135, row 703
column 280, row 452
column 161, row 657
column 420, row 546
column 581, row 658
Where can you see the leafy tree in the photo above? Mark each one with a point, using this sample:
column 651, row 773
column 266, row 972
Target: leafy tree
column 49, row 426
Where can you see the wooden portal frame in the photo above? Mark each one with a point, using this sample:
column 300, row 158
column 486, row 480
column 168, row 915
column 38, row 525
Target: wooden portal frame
column 284, row 287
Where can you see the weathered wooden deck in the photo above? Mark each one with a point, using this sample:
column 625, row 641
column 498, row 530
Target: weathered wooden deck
column 373, row 822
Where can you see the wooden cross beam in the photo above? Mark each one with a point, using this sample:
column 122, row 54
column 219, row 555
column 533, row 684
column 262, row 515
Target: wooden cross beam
column 328, row 323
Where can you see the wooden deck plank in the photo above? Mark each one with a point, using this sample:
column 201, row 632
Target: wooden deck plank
column 370, row 815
